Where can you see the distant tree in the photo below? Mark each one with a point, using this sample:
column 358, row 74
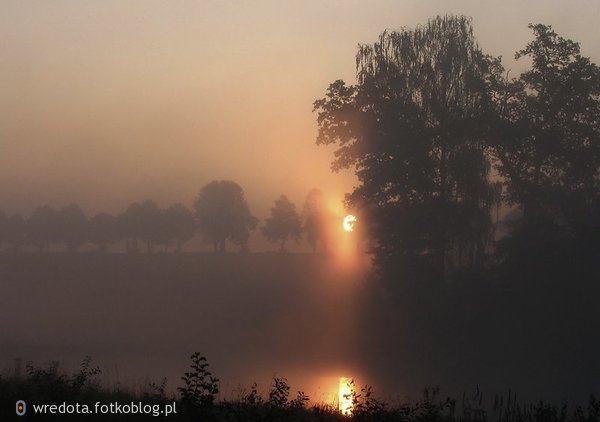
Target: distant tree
column 14, row 231
column 129, row 227
column 43, row 228
column 223, row 214
column 152, row 224
column 415, row 128
column 316, row 220
column 180, row 225
column 143, row 221
column 72, row 227
column 283, row 224
column 102, row 230
column 549, row 148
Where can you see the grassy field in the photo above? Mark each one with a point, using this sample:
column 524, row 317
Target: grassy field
column 80, row 397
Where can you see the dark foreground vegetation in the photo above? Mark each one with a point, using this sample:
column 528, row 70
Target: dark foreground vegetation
column 198, row 400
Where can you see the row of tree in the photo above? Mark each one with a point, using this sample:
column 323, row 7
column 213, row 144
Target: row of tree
column 221, row 214
column 441, row 138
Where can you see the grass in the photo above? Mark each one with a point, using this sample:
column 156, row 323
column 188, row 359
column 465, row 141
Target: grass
column 198, row 400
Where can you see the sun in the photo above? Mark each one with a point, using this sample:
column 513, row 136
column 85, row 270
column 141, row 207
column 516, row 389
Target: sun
column 349, row 221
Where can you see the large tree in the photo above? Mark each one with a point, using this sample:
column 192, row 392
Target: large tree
column 549, row 148
column 223, row 214
column 415, row 129
column 129, row 228
column 102, row 230
column 72, row 226
column 180, row 225
column 14, row 231
column 283, row 224
column 43, row 228
column 142, row 221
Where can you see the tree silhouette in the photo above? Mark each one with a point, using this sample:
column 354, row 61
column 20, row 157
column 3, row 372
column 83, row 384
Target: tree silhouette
column 14, row 231
column 549, row 148
column 283, row 224
column 180, row 225
column 72, row 227
column 142, row 221
column 153, row 229
column 223, row 214
column 415, row 128
column 43, row 228
column 129, row 227
column 102, row 230
column 316, row 220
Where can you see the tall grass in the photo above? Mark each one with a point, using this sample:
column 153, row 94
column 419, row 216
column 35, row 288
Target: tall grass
column 198, row 400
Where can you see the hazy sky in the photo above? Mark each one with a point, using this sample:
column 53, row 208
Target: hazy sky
column 108, row 102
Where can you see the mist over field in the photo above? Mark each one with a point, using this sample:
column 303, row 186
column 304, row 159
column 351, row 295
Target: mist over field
column 308, row 318
column 253, row 316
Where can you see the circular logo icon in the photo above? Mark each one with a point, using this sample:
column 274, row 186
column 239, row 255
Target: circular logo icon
column 20, row 407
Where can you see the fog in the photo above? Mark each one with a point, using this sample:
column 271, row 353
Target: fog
column 141, row 317
column 106, row 103
column 309, row 318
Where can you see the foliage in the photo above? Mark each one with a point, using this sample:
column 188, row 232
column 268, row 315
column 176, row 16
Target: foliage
column 179, row 225
column 85, row 374
column 548, row 151
column 279, row 393
column 42, row 229
column 198, row 401
column 365, row 403
column 223, row 214
column 300, row 401
column 103, row 230
column 128, row 227
column 283, row 223
column 142, row 221
column 433, row 409
column 14, row 231
column 252, row 398
column 415, row 129
column 72, row 227
column 49, row 385
column 432, row 115
column 201, row 387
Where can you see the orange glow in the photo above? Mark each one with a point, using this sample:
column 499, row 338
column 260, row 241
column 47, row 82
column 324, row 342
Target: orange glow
column 349, row 221
column 345, row 393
